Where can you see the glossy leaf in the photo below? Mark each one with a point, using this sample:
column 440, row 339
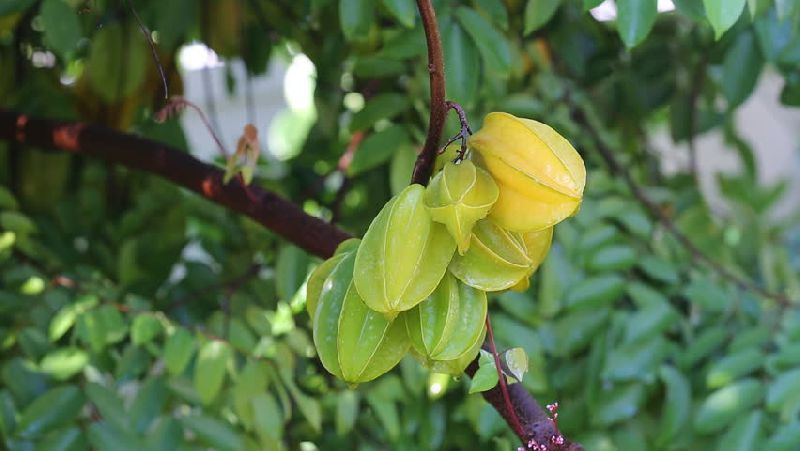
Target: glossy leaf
column 213, row 359
column 377, row 149
column 403, row 10
column 462, row 59
column 635, row 19
column 178, row 350
column 491, row 44
column 740, row 69
column 54, row 408
column 722, row 14
column 517, row 362
column 538, row 13
column 722, row 406
column 355, row 17
column 486, row 376
column 677, row 404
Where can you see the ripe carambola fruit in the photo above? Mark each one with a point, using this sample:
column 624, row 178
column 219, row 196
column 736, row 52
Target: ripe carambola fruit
column 537, row 244
column 540, row 175
column 449, row 322
column 458, row 197
column 403, row 255
column 354, row 343
column 497, row 259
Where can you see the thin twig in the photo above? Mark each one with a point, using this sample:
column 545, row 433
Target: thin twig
column 501, row 378
column 423, row 167
column 696, row 253
column 152, row 45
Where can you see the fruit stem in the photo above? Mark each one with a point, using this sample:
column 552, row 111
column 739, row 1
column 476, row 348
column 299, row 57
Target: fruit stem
column 501, row 378
column 463, row 134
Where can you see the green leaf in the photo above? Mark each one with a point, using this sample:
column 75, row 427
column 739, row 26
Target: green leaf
column 784, row 394
column 677, row 404
column 722, row 14
column 64, row 363
column 267, row 417
column 744, row 434
column 108, row 404
column 383, row 106
column 635, row 360
column 56, row 407
column 733, row 366
column 145, row 328
column 377, row 148
column 346, row 411
column 209, row 371
column 148, row 404
column 707, row 295
column 291, row 270
column 66, row 439
column 658, row 269
column 62, row 30
column 14, row 6
column 178, row 349
column 495, row 10
column 486, row 376
column 724, row 405
column 594, row 292
column 214, row 432
column 167, row 435
column 612, row 258
column 617, row 404
column 741, row 69
column 492, row 45
column 786, row 438
column 403, row 10
column 589, row 4
column 356, row 17
column 17, row 222
column 105, row 437
column 517, row 362
column 462, row 60
column 691, row 8
column 400, row 168
column 538, row 13
column 635, row 19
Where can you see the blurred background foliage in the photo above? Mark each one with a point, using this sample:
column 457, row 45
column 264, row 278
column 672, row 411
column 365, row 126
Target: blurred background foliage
column 135, row 315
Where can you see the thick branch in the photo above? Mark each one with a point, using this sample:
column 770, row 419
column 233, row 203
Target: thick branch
column 424, row 164
column 277, row 214
column 536, row 423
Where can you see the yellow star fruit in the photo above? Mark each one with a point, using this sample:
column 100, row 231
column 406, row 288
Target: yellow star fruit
column 540, row 175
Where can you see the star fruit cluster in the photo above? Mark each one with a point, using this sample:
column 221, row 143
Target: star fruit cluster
column 418, row 279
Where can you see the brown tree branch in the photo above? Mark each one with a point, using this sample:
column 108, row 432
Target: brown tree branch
column 275, row 213
column 423, row 167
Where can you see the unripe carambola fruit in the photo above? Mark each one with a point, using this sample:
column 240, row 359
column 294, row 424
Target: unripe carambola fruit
column 354, row 343
column 453, row 367
column 540, row 175
column 449, row 322
column 403, row 255
column 497, row 259
column 458, row 197
column 317, row 278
